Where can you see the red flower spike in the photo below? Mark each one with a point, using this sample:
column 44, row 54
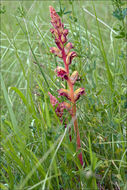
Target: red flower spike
column 68, row 47
column 78, row 93
column 64, row 92
column 61, row 72
column 64, row 53
column 74, row 77
column 56, row 51
column 70, row 56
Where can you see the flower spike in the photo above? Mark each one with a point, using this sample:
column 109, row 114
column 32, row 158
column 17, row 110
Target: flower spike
column 64, row 52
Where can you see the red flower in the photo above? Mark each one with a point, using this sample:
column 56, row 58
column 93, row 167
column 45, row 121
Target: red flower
column 59, row 32
column 70, row 56
column 78, row 93
column 74, row 77
column 68, row 47
column 61, row 72
column 64, row 92
column 56, row 51
column 60, row 106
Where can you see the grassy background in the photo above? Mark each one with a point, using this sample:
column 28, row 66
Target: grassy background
column 36, row 152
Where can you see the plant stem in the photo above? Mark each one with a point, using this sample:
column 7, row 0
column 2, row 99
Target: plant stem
column 76, row 129
column 77, row 133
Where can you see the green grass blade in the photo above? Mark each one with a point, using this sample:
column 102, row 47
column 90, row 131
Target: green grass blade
column 9, row 106
column 109, row 74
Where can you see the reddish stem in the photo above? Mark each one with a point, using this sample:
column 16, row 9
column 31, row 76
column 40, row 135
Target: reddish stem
column 76, row 129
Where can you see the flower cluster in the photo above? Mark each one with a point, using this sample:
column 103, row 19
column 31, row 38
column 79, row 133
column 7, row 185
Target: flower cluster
column 59, row 106
column 64, row 51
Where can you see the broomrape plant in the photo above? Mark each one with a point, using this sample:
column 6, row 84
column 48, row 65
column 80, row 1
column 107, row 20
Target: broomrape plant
column 63, row 51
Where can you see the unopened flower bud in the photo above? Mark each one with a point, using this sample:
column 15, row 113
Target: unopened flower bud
column 55, row 19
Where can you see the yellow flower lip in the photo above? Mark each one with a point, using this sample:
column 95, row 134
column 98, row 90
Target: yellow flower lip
column 70, row 56
column 68, row 47
column 74, row 77
column 78, row 93
column 56, row 51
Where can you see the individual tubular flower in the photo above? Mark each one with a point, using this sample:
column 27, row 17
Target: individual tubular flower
column 74, row 77
column 70, row 56
column 64, row 36
column 68, row 47
column 61, row 72
column 78, row 93
column 59, row 43
column 56, row 51
column 64, row 92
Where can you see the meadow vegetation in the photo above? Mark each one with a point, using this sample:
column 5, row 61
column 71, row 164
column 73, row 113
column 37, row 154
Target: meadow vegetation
column 36, row 152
